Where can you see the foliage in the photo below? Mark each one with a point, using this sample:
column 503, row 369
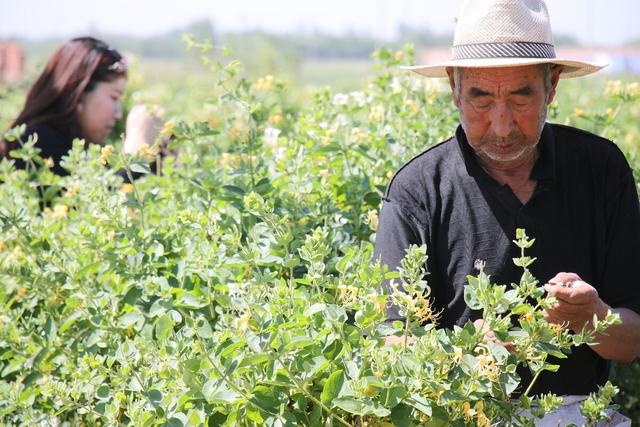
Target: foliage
column 235, row 286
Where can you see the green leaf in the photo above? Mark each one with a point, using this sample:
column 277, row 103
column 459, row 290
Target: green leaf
column 393, row 395
column 265, row 398
column 191, row 301
column 215, row 391
column 50, row 329
column 401, row 415
column 129, row 319
column 164, row 327
column 234, row 189
column 420, row 403
column 140, row 167
column 361, row 407
column 332, row 387
column 298, row 343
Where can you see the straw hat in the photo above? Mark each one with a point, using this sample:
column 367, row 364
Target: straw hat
column 504, row 33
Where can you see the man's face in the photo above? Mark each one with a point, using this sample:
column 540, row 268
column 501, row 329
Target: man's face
column 502, row 111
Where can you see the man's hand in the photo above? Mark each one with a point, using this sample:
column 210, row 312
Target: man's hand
column 577, row 302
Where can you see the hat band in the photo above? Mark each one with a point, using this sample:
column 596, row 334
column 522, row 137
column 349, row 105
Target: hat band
column 503, row 50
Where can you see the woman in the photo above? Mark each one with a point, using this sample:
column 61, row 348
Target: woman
column 78, row 96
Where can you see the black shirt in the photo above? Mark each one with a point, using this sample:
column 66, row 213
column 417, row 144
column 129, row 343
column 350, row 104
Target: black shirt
column 54, row 144
column 584, row 215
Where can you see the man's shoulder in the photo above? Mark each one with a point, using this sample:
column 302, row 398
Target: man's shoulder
column 576, row 138
column 425, row 165
column 578, row 144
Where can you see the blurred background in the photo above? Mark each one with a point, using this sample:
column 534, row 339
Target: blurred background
column 310, row 43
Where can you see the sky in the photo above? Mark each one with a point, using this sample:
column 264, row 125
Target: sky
column 593, row 22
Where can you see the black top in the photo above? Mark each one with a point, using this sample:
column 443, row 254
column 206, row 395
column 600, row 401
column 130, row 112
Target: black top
column 54, row 144
column 584, row 215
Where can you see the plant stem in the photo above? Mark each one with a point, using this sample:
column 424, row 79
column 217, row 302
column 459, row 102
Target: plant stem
column 535, row 378
column 309, row 395
column 231, row 384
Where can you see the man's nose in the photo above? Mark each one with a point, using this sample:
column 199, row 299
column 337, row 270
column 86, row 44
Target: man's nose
column 502, row 121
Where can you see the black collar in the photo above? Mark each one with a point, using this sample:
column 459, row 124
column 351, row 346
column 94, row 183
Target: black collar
column 543, row 170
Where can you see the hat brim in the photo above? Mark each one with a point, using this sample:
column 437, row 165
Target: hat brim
column 571, row 69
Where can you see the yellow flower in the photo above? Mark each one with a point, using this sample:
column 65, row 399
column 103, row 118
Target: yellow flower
column 422, row 308
column 466, row 412
column 48, row 163
column 578, row 112
column 527, row 317
column 111, row 234
column 264, row 84
column 372, row 220
column 60, row 212
column 148, row 153
column 2, row 245
column 413, row 106
column 457, row 354
column 105, row 152
column 275, row 119
column 399, row 55
column 377, row 113
column 73, row 190
column 347, row 294
column 614, row 87
column 243, row 321
column 482, row 420
column 167, row 129
column 633, row 89
column 357, row 135
column 127, row 188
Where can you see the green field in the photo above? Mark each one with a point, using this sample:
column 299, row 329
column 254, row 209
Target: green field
column 235, row 287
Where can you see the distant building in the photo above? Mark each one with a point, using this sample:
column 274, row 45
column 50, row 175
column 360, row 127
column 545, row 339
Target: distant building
column 11, row 62
column 620, row 60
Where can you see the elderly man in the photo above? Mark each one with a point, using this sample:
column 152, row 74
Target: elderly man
column 506, row 168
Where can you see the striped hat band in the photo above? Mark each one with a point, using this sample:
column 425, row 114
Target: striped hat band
column 503, row 50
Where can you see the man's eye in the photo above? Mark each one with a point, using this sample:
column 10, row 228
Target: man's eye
column 481, row 103
column 521, row 101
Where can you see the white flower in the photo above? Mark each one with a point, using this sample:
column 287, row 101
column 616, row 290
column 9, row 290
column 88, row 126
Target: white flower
column 280, row 154
column 396, row 87
column 271, row 136
column 397, row 150
column 341, row 120
column 359, row 98
column 340, row 99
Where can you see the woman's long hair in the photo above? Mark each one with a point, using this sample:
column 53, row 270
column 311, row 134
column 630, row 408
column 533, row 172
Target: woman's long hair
column 75, row 69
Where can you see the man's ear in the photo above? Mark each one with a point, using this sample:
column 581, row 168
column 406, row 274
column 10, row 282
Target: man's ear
column 452, row 84
column 79, row 107
column 555, row 77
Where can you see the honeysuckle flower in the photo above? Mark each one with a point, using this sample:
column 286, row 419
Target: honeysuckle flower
column 60, row 211
column 168, row 126
column 614, row 87
column 105, row 152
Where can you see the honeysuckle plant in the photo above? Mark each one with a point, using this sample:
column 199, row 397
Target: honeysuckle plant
column 237, row 287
